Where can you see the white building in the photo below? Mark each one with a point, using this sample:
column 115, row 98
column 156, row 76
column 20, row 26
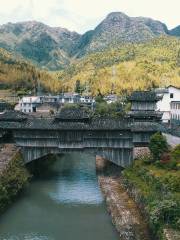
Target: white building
column 28, row 104
column 169, row 95
column 175, row 111
column 87, row 100
column 69, row 98
column 111, row 98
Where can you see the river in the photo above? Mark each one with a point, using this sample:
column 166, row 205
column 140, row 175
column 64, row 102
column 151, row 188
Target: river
column 64, row 204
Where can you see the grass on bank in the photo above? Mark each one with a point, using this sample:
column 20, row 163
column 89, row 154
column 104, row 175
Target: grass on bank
column 158, row 187
column 12, row 181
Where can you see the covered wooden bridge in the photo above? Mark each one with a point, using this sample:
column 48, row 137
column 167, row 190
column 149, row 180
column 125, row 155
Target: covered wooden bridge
column 74, row 130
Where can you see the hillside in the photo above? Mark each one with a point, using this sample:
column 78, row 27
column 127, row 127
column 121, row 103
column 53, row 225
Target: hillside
column 54, row 48
column 126, row 68
column 45, row 46
column 118, row 28
column 175, row 31
column 17, row 74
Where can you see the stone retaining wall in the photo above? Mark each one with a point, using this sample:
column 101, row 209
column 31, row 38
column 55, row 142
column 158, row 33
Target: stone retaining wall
column 124, row 212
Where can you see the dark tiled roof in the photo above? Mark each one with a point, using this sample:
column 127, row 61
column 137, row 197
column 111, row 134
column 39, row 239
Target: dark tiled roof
column 10, row 125
column 145, row 114
column 13, row 116
column 72, row 114
column 50, row 124
column 5, row 106
column 144, row 96
column 109, row 123
column 95, row 124
column 146, row 126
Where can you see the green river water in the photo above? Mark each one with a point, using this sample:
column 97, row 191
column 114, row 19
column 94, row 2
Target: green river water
column 64, row 204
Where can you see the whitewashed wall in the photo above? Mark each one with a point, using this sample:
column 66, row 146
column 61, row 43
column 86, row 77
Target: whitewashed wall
column 164, row 104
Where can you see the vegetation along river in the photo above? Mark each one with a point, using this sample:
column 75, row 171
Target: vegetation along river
column 64, row 204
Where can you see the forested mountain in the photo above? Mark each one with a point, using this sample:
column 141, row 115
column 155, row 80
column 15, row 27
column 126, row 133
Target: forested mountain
column 45, row 46
column 175, row 31
column 55, row 48
column 120, row 55
column 18, row 74
column 118, row 69
column 126, row 68
column 118, row 28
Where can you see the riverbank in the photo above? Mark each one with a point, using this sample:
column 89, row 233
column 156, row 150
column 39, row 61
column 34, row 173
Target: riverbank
column 13, row 174
column 124, row 211
column 156, row 190
column 143, row 196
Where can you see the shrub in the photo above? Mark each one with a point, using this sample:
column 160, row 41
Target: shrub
column 12, row 181
column 175, row 153
column 158, row 146
column 164, row 211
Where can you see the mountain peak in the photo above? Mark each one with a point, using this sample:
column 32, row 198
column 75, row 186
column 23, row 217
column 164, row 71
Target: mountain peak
column 116, row 15
column 54, row 47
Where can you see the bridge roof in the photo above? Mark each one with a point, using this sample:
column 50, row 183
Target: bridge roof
column 50, row 124
column 109, row 123
column 72, row 114
column 95, row 124
column 146, row 127
column 144, row 96
column 13, row 116
column 145, row 114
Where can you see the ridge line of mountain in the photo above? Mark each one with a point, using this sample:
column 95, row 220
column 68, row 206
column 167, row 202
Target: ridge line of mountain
column 54, row 47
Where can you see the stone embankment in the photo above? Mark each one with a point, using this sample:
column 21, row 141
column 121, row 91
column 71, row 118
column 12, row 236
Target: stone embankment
column 170, row 234
column 7, row 153
column 124, row 212
column 124, row 206
column 13, row 174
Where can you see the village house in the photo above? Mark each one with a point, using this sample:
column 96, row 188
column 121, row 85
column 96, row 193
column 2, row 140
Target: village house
column 167, row 105
column 175, row 112
column 69, row 98
column 49, row 99
column 87, row 100
column 47, row 103
column 47, row 108
column 28, row 104
column 111, row 98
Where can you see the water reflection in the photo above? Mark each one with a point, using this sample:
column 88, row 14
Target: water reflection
column 64, row 204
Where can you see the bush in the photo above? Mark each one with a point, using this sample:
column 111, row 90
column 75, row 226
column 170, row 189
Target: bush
column 14, row 178
column 158, row 146
column 164, row 212
column 175, row 154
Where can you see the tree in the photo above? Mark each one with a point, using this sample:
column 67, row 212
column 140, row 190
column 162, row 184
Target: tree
column 102, row 109
column 178, row 58
column 158, row 146
column 78, row 86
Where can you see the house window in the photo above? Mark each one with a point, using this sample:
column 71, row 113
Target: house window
column 34, row 109
column 171, row 95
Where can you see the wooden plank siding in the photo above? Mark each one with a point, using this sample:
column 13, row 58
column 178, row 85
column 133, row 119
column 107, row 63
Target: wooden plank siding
column 117, row 146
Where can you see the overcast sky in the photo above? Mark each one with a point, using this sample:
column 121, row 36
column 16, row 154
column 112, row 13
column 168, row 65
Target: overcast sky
column 83, row 15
